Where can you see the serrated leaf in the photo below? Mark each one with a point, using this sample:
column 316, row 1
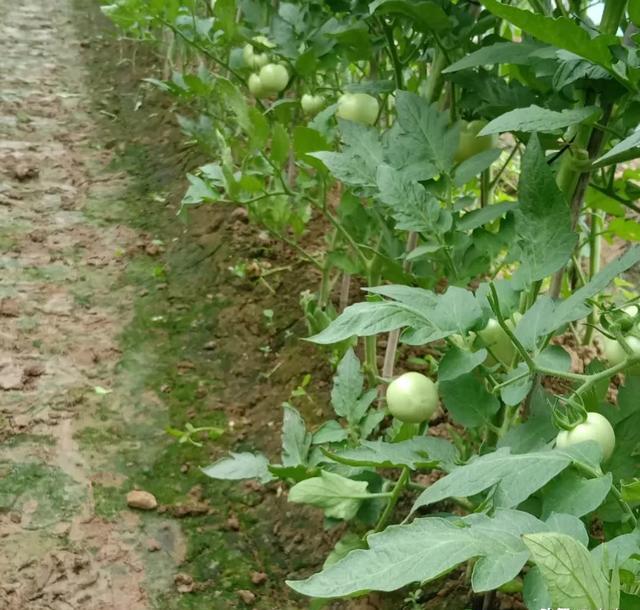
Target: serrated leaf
column 518, row 53
column 428, row 316
column 357, row 164
column 240, row 466
column 573, row 578
column 516, row 477
column 427, row 548
column 544, row 238
column 613, row 553
column 425, row 138
column 517, row 391
column 279, row 144
column 411, row 205
column 560, row 32
column 425, row 16
column 537, row 119
column 415, row 453
column 338, row 496
column 329, row 432
column 347, row 387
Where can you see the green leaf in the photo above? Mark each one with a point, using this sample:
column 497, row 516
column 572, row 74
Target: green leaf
column 554, row 357
column 338, row 496
column 346, row 396
column 199, row 191
column 349, row 542
column 468, row 401
column 628, row 149
column 473, row 166
column 240, row 466
column 535, row 592
column 357, row 164
column 536, row 431
column 307, row 140
column 547, row 316
column 560, row 32
column 572, row 576
column 516, row 477
column 536, row 119
column 329, row 432
column 427, row 548
column 279, row 144
column 296, row 441
column 517, row 391
column 613, row 553
column 544, row 238
column 425, row 16
column 425, row 140
column 477, row 218
column 411, row 205
column 518, row 53
column 458, row 362
column 415, row 453
column 429, row 316
column 574, row 495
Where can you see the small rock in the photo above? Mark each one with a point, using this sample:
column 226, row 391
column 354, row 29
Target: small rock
column 233, row 524
column 9, row 308
column 15, row 517
column 141, row 499
column 210, row 346
column 11, row 375
column 184, row 582
column 258, row 578
column 240, row 214
column 153, row 545
column 184, row 468
column 23, row 172
column 246, row 596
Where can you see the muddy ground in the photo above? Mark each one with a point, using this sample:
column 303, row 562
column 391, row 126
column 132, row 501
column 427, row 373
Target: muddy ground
column 118, row 319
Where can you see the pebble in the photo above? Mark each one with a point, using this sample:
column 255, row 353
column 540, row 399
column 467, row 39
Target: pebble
column 141, row 499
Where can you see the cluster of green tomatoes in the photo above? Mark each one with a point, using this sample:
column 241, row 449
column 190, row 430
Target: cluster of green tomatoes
column 413, row 398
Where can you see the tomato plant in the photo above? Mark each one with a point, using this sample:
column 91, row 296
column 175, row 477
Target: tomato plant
column 468, row 162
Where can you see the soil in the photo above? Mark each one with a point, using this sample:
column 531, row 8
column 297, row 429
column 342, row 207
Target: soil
column 119, row 319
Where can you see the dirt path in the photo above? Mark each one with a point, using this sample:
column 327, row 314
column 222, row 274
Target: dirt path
column 62, row 307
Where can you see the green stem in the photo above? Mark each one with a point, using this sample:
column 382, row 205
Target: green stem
column 434, row 80
column 612, row 15
column 393, row 500
column 595, row 242
column 393, row 53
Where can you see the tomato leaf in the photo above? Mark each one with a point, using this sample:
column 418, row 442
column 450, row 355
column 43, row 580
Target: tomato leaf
column 425, row 16
column 573, row 577
column 544, row 238
column 560, row 32
column 468, row 401
column 535, row 118
column 516, row 477
column 427, row 548
column 347, row 396
column 240, row 466
column 458, row 362
column 627, row 149
column 296, row 441
column 338, row 496
column 574, row 495
column 415, row 453
column 471, row 167
column 499, row 53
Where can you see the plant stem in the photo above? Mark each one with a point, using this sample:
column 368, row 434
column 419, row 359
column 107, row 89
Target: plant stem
column 595, row 242
column 393, row 53
column 393, row 500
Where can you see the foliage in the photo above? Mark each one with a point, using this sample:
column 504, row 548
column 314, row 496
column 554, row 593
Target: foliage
column 453, row 254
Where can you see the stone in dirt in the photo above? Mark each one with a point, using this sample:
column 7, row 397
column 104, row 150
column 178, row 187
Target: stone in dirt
column 258, row 578
column 246, row 596
column 11, row 375
column 142, row 500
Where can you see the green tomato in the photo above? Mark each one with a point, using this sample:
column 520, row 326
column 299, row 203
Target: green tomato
column 470, row 143
column 412, row 398
column 614, row 353
column 358, row 107
column 274, row 77
column 255, row 85
column 311, row 104
column 596, row 428
column 256, row 60
column 496, row 340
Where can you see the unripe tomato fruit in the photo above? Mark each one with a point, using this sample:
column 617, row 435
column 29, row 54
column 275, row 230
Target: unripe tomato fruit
column 255, row 85
column 311, row 103
column 615, row 354
column 274, row 77
column 358, row 107
column 496, row 340
column 596, row 428
column 470, row 143
column 412, row 398
column 253, row 59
